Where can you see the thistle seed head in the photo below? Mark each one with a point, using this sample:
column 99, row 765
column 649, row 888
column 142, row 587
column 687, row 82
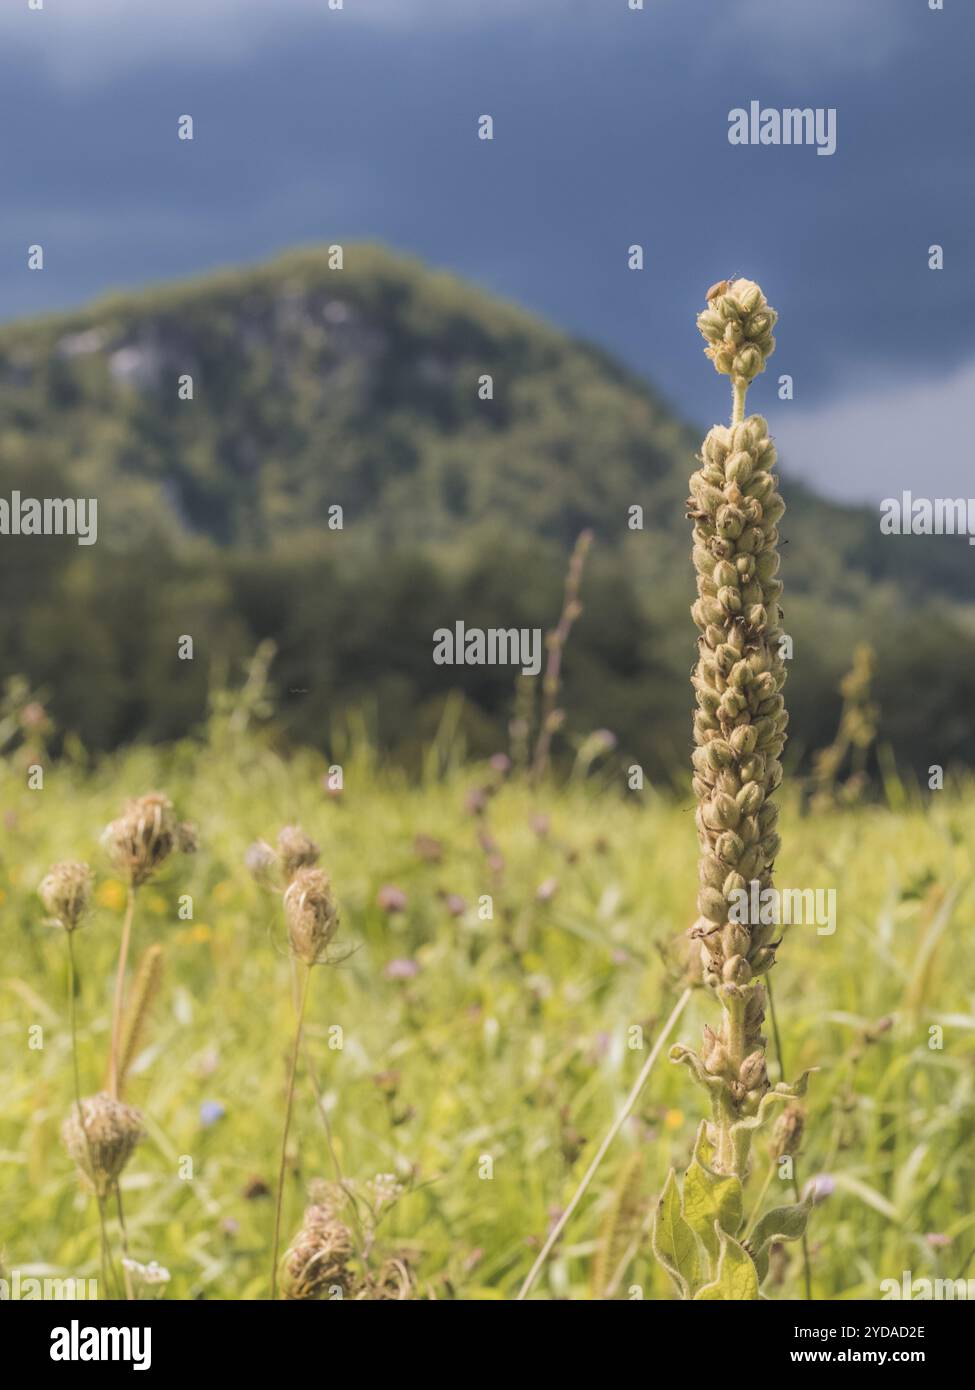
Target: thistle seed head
column 101, row 1140
column 311, row 913
column 65, row 892
column 296, row 851
column 144, row 837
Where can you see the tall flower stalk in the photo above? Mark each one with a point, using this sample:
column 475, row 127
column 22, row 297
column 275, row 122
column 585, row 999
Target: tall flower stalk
column 66, row 894
column 139, row 843
column 312, row 919
column 739, row 735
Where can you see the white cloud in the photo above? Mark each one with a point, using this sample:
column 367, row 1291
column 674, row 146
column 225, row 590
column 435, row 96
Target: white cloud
column 79, row 41
column 810, row 38
column 876, row 444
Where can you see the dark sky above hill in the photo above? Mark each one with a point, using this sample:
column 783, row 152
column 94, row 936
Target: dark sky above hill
column 611, row 127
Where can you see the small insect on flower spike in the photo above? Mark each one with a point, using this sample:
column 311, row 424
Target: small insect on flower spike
column 739, row 734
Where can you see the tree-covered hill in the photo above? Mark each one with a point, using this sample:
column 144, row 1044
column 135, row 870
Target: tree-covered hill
column 315, row 387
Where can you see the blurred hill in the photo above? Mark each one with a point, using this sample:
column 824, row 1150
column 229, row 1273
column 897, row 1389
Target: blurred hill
column 316, row 387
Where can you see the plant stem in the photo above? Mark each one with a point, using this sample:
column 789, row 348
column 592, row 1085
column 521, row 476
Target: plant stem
column 125, row 1243
column 123, row 955
column 739, row 392
column 557, row 639
column 757, row 1209
column 734, row 1033
column 806, row 1265
column 614, row 1129
column 303, row 999
column 73, row 1025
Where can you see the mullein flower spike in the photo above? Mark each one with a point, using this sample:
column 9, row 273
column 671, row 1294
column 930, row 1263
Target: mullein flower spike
column 699, row 1233
column 740, row 721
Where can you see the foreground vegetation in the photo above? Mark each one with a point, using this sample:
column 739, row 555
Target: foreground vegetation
column 482, row 1059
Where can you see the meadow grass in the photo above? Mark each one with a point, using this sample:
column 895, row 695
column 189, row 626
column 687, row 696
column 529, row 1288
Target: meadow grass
column 510, row 1042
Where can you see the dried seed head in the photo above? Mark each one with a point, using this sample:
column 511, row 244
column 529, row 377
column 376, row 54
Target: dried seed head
column 296, row 851
column 316, row 1262
column 392, row 1284
column 144, row 837
column 65, row 892
column 311, row 913
column 101, row 1139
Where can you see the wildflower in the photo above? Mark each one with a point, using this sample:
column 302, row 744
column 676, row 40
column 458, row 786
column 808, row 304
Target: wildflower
column 401, row 970
column 312, row 914
column 102, row 1139
column 391, row 899
column 152, row 1274
column 141, row 840
column 210, row 1112
column 427, row 848
column 546, row 891
column 384, row 1189
column 261, row 862
column 820, row 1187
column 66, row 892
column 476, row 800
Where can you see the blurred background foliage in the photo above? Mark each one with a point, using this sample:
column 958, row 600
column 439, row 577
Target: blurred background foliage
column 315, row 387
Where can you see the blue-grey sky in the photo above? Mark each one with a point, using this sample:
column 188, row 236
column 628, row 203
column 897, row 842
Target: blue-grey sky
column 611, row 128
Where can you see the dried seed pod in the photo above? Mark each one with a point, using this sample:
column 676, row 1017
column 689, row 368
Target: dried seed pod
column 311, row 913
column 65, row 892
column 315, row 1265
column 787, row 1134
column 101, row 1139
column 145, row 835
column 296, row 851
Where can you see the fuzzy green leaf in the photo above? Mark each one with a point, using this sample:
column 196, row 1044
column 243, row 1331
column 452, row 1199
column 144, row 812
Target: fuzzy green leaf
column 741, row 1132
column 737, row 1277
column 781, row 1223
column 673, row 1240
column 679, row 1053
column 710, row 1197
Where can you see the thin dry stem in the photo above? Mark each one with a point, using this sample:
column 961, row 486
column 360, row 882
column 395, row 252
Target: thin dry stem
column 113, row 1085
column 299, row 1022
column 614, row 1129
